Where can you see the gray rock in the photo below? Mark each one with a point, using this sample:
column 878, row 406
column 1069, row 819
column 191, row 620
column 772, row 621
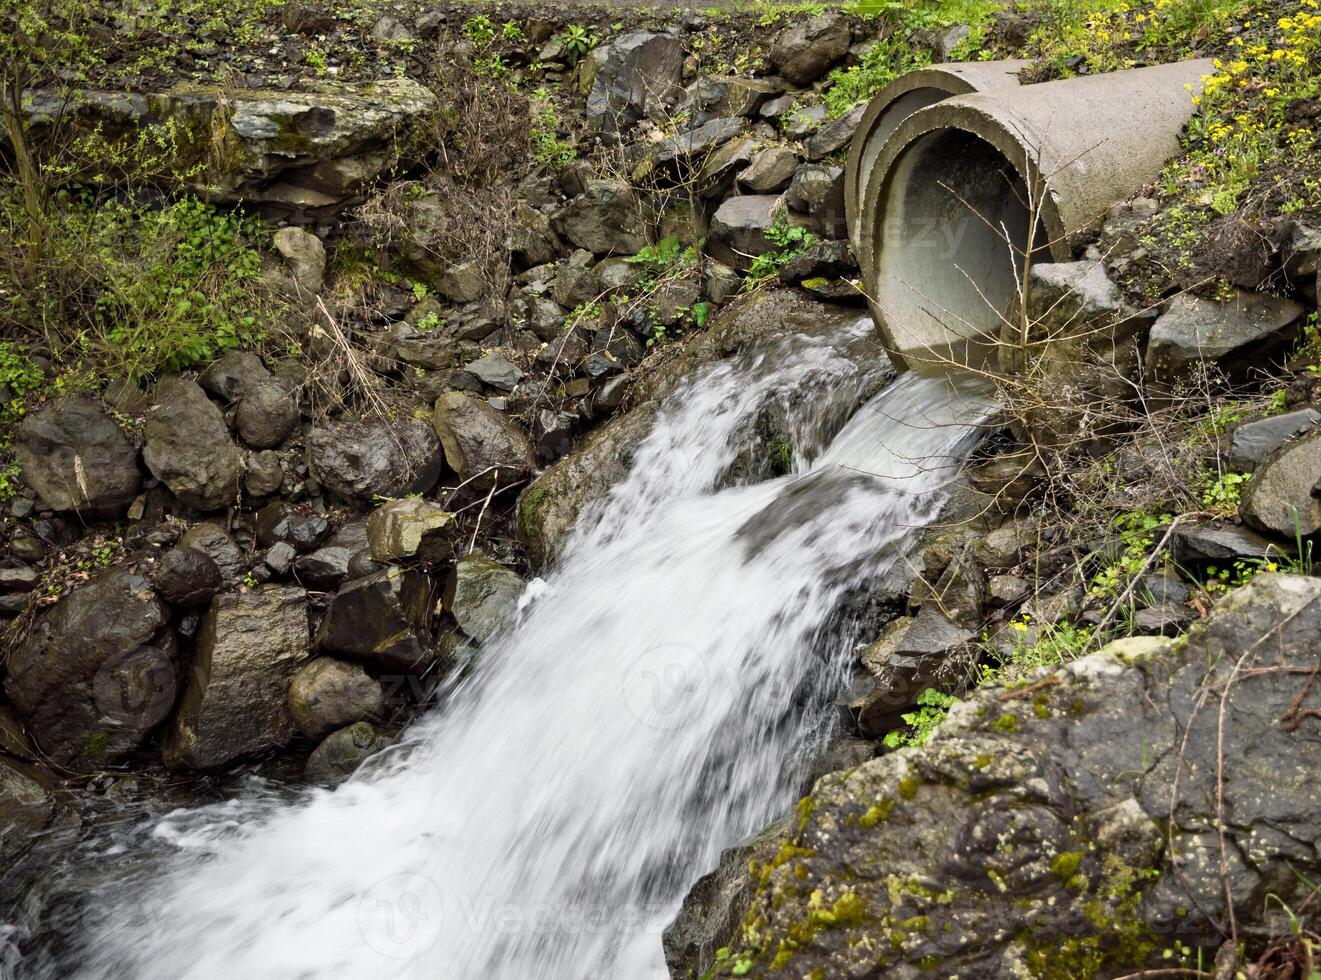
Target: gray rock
column 282, row 522
column 725, row 96
column 410, row 528
column 605, row 219
column 482, row 596
column 823, row 259
column 770, row 170
column 212, row 541
column 18, row 578
column 614, row 349
column 233, row 374
column 327, row 694
column 632, row 75
column 76, row 458
column 678, row 154
column 305, row 256
column 1302, row 253
column 325, row 568
column 552, row 432
column 97, row 672
column 361, row 460
column 249, row 648
column 836, row 134
column 818, row 189
column 1218, row 544
column 187, row 578
column 1003, row 547
column 1031, row 829
column 908, row 658
column 720, row 283
column 721, row 167
column 1252, row 442
column 1005, row 590
column 268, row 414
column 738, row 228
column 188, row 447
column 574, row 284
column 1281, row 496
column 808, row 49
column 262, row 474
column 477, row 439
column 279, row 558
column 495, row 371
column 462, row 283
column 1233, row 336
column 384, row 618
column 801, row 123
column 341, row 754
column 27, row 807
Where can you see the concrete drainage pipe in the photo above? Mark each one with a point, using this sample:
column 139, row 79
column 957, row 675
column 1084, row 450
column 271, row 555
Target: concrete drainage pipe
column 960, row 181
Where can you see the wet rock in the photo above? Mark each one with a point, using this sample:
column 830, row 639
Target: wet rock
column 632, row 75
column 836, row 134
column 411, row 528
column 1218, row 544
column 738, row 228
column 553, row 432
column 605, row 219
column 1281, row 497
column 282, row 522
column 477, row 439
column 384, row 618
column 97, row 672
column 495, row 371
column 482, row 595
column 676, row 156
column 268, row 414
column 817, row 190
column 76, row 458
column 324, row 568
column 800, row 123
column 188, row 447
column 362, row 460
column 1252, row 442
column 327, row 694
column 769, row 171
column 14, row 739
column 1233, row 336
column 305, row 256
column 1003, row 547
column 27, row 807
column 726, row 96
column 250, row 646
column 18, row 578
column 212, row 541
column 614, row 349
column 279, row 559
column 908, row 658
column 808, row 49
column 341, row 754
column 1023, row 832
column 824, row 259
column 187, row 578
column 233, row 374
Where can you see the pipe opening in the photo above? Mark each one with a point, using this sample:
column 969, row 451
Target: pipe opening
column 946, row 273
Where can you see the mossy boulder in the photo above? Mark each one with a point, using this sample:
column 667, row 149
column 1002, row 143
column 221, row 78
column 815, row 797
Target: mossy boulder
column 1066, row 826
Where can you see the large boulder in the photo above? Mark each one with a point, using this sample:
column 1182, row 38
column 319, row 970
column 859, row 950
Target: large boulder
column 605, row 219
column 384, row 618
column 724, row 96
column 808, row 49
column 770, row 170
column 631, row 75
column 187, row 578
column 411, row 528
column 738, row 228
column 28, row 806
column 97, row 672
column 360, row 460
column 233, row 374
column 77, row 458
column 188, row 447
column 305, row 256
column 482, row 596
column 1247, row 332
column 817, row 190
column 268, row 414
column 1281, row 498
column 328, row 694
column 1078, row 827
column 308, row 151
column 249, row 648
column 342, row 752
column 479, row 439
column 1252, row 442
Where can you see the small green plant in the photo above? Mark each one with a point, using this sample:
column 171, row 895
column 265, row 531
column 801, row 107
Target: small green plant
column 1137, row 535
column 1046, row 645
column 511, row 32
column 789, row 242
column 932, row 707
column 544, row 133
column 479, row 30
column 490, row 66
column 316, row 60
column 420, row 291
column 576, row 40
column 1221, row 492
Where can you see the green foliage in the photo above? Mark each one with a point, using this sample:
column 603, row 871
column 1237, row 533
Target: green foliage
column 1046, row 645
column 479, row 30
column 932, row 707
column 544, row 133
column 1137, row 535
column 1220, row 492
column 790, row 241
column 576, row 40
column 511, row 32
column 175, row 287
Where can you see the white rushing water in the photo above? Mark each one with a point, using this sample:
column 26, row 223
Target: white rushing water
column 544, row 821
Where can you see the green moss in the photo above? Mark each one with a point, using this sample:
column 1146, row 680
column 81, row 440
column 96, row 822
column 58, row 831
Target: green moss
column 96, row 745
column 1006, row 723
column 907, row 788
column 804, row 811
column 982, row 761
column 1065, row 865
column 1040, row 707
column 877, row 813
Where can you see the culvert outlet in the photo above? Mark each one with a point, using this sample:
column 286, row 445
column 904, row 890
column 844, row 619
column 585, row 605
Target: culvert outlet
column 899, row 100
column 952, row 196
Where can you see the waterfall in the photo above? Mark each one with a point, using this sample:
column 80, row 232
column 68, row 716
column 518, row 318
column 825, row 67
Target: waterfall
column 649, row 708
